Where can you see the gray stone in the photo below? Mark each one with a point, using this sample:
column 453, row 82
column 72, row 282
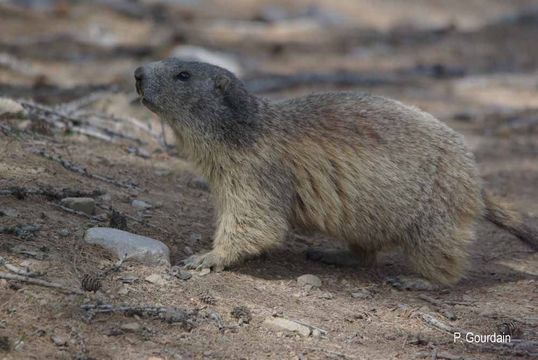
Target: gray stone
column 9, row 212
column 125, row 244
column 58, row 340
column 141, row 204
column 361, row 294
column 63, row 232
column 83, row 204
column 188, row 251
column 309, row 280
column 130, row 327
column 196, row 237
column 278, row 323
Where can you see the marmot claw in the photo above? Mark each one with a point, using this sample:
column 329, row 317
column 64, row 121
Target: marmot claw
column 206, row 260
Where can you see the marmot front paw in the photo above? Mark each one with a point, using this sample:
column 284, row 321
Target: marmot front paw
column 208, row 260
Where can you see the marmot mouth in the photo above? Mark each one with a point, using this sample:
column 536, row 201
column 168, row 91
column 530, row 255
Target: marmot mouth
column 151, row 106
column 139, row 89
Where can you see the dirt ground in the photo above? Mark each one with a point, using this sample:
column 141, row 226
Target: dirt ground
column 474, row 64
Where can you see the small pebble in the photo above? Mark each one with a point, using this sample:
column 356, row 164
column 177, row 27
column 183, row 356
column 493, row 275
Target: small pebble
column 141, row 205
column 63, row 232
column 309, row 280
column 204, row 272
column 58, row 340
column 188, row 251
column 196, row 237
column 361, row 294
column 124, row 290
column 130, row 327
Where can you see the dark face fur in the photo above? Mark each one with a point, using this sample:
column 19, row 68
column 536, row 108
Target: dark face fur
column 202, row 97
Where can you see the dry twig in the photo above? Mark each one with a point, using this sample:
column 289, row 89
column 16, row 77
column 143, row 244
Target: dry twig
column 28, row 280
column 17, row 270
column 83, row 171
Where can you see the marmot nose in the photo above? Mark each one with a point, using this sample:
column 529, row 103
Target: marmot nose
column 139, row 73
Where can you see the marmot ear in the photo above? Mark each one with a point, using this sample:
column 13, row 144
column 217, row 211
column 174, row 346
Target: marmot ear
column 223, row 83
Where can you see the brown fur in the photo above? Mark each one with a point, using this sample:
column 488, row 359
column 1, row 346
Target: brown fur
column 365, row 170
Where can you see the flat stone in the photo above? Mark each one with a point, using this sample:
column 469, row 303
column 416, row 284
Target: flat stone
column 309, row 280
column 156, row 279
column 361, row 294
column 130, row 327
column 279, row 323
column 141, row 204
column 83, row 204
column 9, row 212
column 122, row 243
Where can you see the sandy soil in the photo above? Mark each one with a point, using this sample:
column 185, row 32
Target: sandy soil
column 492, row 100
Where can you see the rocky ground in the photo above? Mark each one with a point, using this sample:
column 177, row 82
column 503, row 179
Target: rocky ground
column 77, row 151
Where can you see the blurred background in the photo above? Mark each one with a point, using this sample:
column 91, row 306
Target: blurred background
column 71, row 125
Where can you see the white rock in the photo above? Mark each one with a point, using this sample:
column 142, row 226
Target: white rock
column 309, row 280
column 84, row 204
column 196, row 53
column 122, row 243
column 278, row 323
column 8, row 106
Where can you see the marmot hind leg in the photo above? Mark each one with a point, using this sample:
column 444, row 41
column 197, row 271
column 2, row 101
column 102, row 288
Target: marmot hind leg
column 439, row 256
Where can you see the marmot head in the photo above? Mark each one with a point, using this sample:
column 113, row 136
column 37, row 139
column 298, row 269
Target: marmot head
column 196, row 95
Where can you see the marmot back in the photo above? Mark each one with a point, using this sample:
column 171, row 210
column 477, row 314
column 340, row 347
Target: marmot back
column 363, row 169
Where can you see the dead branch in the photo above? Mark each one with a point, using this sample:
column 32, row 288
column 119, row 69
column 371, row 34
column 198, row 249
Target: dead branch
column 22, row 192
column 17, row 270
column 28, row 280
column 441, row 307
column 74, row 106
column 83, row 171
column 438, row 355
column 273, row 83
column 70, row 120
column 187, row 318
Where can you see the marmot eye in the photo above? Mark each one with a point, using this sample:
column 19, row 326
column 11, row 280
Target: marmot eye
column 183, row 76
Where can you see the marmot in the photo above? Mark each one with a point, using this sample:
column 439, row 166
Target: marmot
column 364, row 169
